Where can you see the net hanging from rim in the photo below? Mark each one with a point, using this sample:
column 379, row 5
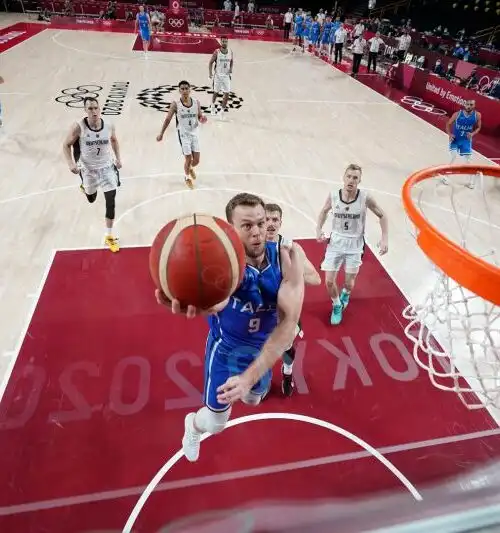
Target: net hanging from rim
column 455, row 326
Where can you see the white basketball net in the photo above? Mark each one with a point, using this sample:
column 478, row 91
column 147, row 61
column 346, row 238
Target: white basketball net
column 456, row 334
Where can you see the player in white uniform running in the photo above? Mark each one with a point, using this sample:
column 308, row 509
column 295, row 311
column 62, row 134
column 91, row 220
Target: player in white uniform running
column 347, row 240
column 223, row 60
column 91, row 149
column 188, row 115
column 274, row 219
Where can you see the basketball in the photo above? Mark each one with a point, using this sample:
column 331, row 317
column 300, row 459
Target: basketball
column 198, row 260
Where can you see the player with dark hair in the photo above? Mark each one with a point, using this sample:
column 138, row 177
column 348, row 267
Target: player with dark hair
column 274, row 219
column 245, row 337
column 89, row 149
column 188, row 116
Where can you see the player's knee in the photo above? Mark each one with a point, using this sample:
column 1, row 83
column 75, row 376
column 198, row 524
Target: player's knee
column 196, row 159
column 213, row 422
column 110, row 204
column 91, row 197
column 330, row 280
column 252, row 398
column 350, row 280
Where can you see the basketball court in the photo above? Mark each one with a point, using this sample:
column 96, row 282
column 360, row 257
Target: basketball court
column 97, row 378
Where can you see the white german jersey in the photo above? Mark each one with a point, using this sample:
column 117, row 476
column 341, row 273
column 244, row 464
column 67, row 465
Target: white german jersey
column 95, row 146
column 223, row 63
column 187, row 117
column 348, row 226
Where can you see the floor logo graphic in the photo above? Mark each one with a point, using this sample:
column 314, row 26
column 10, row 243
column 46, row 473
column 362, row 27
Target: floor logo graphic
column 113, row 105
column 161, row 97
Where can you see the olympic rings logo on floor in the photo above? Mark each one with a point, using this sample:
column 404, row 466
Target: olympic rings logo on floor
column 176, row 23
column 74, row 96
column 419, row 105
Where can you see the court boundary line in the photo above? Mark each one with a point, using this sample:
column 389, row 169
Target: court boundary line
column 136, row 57
column 269, row 416
column 492, row 411
column 241, row 474
column 164, row 175
column 395, row 103
column 29, row 317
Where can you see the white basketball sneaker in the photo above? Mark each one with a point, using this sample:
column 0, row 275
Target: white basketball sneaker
column 191, row 439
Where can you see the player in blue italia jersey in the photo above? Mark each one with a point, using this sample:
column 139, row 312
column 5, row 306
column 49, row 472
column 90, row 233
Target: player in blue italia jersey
column 461, row 128
column 325, row 37
column 299, row 31
column 246, row 338
column 315, row 33
column 143, row 24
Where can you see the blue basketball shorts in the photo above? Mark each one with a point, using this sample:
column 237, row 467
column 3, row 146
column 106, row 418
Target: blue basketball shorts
column 462, row 145
column 223, row 361
column 145, row 35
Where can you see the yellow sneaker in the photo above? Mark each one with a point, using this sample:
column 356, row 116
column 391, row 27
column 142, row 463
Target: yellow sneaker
column 189, row 183
column 192, row 173
column 112, row 243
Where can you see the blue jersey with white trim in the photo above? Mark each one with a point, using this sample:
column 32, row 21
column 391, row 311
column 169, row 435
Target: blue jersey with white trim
column 251, row 314
column 142, row 19
column 464, row 124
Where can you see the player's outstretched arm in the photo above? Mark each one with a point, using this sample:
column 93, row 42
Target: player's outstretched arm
column 171, row 111
column 70, row 140
column 210, row 64
column 116, row 148
column 322, row 218
column 372, row 205
column 290, row 299
column 311, row 275
column 478, row 125
column 449, row 124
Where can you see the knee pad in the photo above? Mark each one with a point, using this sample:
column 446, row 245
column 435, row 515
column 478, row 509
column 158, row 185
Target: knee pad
column 91, row 197
column 110, row 204
column 212, row 422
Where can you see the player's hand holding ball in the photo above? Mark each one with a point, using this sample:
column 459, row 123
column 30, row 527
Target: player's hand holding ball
column 196, row 262
column 190, row 311
column 203, row 119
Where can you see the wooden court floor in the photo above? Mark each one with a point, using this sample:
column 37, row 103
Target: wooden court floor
column 295, row 125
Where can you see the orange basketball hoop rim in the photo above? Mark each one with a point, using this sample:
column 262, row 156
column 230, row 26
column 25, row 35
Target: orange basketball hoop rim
column 471, row 272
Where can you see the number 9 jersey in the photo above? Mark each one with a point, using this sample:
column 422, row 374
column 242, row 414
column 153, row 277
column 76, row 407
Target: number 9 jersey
column 251, row 314
column 239, row 331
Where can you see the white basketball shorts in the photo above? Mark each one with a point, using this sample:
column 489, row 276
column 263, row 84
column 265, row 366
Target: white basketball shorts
column 189, row 143
column 106, row 179
column 334, row 259
column 222, row 83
